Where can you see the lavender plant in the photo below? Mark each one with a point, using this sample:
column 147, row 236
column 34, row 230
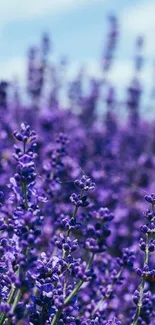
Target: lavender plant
column 71, row 215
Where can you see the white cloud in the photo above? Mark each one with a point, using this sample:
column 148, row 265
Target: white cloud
column 12, row 68
column 90, row 67
column 17, row 10
column 120, row 75
column 138, row 20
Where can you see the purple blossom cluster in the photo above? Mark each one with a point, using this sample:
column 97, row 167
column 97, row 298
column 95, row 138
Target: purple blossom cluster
column 76, row 245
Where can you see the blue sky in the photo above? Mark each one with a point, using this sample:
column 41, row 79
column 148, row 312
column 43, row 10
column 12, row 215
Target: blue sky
column 78, row 29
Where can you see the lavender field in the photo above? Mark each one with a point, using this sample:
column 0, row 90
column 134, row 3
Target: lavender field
column 77, row 195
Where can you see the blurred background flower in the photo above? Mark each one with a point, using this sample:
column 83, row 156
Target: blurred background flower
column 78, row 29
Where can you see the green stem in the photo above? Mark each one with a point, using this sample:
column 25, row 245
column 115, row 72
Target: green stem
column 72, row 294
column 142, row 285
column 16, row 300
column 78, row 286
column 56, row 317
column 3, row 315
column 24, row 147
column 107, row 295
column 2, row 318
column 76, row 207
column 75, row 211
column 68, row 232
column 65, row 285
column 25, row 195
column 12, row 292
column 10, row 299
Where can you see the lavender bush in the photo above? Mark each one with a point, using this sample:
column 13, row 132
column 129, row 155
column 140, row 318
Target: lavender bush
column 76, row 246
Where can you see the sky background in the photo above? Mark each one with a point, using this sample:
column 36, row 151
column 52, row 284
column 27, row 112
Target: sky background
column 78, row 29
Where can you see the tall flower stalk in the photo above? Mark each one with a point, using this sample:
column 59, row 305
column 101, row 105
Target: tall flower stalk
column 22, row 185
column 148, row 246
